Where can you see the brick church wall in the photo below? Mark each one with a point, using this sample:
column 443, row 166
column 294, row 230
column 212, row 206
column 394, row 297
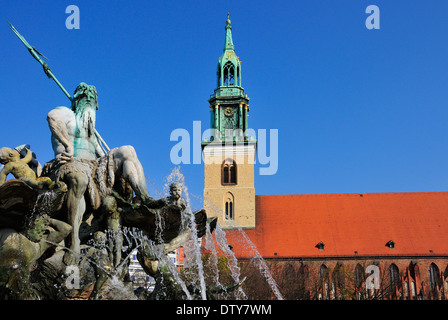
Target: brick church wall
column 300, row 279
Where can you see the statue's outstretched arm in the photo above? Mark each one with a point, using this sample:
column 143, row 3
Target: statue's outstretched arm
column 28, row 157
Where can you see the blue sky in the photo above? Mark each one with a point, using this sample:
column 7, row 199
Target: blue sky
column 356, row 110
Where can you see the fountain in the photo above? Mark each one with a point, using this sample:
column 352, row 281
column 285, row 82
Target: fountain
column 240, row 237
column 101, row 270
column 68, row 228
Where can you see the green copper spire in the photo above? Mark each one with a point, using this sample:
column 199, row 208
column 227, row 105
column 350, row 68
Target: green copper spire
column 228, row 45
column 229, row 105
column 229, row 65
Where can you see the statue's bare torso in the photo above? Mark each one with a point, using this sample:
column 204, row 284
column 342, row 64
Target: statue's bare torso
column 81, row 143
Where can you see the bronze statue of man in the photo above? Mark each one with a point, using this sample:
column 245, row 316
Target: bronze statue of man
column 82, row 164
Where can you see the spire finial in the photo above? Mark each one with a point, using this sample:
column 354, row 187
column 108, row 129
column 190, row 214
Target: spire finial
column 228, row 45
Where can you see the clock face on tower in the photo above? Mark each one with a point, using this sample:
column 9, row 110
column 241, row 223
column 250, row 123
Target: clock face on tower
column 228, row 111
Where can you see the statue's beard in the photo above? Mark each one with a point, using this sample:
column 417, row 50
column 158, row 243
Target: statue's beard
column 86, row 117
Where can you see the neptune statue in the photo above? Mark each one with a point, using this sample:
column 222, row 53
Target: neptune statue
column 81, row 162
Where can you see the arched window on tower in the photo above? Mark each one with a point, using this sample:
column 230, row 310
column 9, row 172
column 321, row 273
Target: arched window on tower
column 228, row 172
column 229, row 74
column 238, row 76
column 229, row 206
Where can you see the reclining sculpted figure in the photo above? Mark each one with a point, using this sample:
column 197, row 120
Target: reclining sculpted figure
column 83, row 165
column 20, row 168
column 19, row 251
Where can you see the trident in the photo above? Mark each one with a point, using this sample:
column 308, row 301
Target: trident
column 50, row 74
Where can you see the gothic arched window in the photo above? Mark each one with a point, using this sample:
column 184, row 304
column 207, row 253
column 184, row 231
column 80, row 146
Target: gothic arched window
column 324, row 279
column 394, row 280
column 338, row 281
column 229, row 74
column 413, row 273
column 228, row 172
column 301, row 283
column 229, row 206
column 434, row 279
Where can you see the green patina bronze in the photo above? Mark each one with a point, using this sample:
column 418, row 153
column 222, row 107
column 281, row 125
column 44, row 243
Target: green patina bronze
column 229, row 105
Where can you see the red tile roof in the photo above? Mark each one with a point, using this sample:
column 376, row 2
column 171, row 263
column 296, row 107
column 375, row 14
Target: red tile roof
column 292, row 225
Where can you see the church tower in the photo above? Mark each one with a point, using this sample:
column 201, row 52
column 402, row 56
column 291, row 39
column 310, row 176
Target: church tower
column 230, row 152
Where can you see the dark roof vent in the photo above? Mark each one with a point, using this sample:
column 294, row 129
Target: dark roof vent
column 320, row 246
column 390, row 244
